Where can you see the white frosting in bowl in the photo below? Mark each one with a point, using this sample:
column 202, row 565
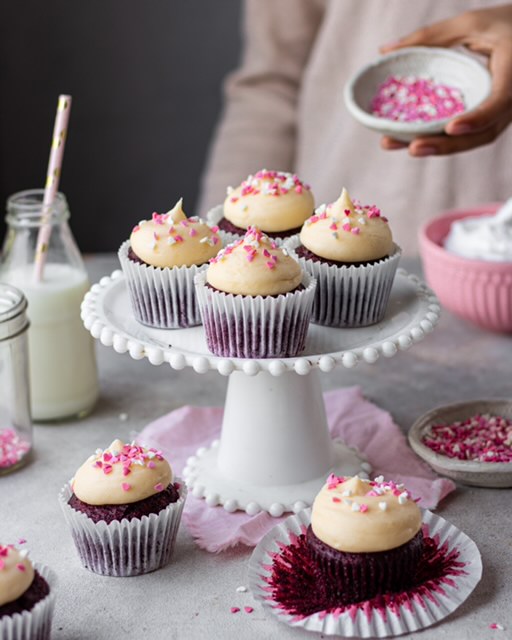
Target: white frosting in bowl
column 486, row 237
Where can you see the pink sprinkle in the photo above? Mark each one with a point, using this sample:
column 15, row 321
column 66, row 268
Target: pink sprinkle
column 178, row 238
column 298, row 189
column 346, row 212
column 192, row 233
column 314, row 219
column 270, row 265
column 215, row 240
column 333, row 481
column 159, row 487
column 363, row 508
column 333, row 226
column 234, row 199
column 2, row 565
column 107, row 456
column 135, row 228
column 107, row 468
column 21, row 567
column 248, row 609
column 346, row 226
column 356, row 231
column 235, row 609
column 22, row 541
column 151, row 465
column 126, row 471
column 266, row 253
column 125, row 486
column 336, row 499
column 215, row 229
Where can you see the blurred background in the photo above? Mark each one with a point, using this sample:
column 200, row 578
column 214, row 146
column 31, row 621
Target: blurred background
column 146, row 84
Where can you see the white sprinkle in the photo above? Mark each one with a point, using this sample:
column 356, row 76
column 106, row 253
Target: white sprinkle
column 139, row 462
column 347, row 493
column 142, row 222
column 98, row 452
column 133, row 443
column 195, row 219
column 402, row 498
column 24, row 553
column 153, row 244
column 335, row 234
column 123, row 417
column 151, row 454
column 285, row 251
column 203, row 240
column 321, row 208
column 347, row 502
column 355, row 507
column 229, row 190
column 362, row 221
column 383, row 506
column 379, row 479
column 171, row 240
column 241, row 589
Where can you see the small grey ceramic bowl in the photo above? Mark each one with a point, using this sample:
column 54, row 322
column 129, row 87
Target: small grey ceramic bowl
column 444, row 66
column 477, row 474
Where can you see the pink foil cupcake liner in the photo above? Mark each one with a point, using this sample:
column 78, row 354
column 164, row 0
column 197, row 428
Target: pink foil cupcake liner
column 352, row 296
column 215, row 215
column 125, row 548
column 239, row 326
column 35, row 624
column 427, row 603
column 161, row 298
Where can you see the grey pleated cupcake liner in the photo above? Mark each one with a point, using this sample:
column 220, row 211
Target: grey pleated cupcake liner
column 35, row 624
column 125, row 548
column 351, row 296
column 239, row 326
column 161, row 298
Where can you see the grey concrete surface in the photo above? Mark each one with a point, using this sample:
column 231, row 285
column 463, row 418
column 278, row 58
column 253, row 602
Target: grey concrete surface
column 191, row 598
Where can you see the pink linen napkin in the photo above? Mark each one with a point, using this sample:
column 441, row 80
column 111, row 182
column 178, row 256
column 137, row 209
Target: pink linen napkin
column 350, row 417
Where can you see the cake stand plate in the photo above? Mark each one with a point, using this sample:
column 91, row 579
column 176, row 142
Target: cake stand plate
column 275, row 450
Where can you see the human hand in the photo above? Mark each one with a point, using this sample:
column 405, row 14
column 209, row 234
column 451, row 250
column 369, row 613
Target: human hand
column 486, row 31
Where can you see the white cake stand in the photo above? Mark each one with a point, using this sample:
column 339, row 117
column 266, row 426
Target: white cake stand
column 275, row 450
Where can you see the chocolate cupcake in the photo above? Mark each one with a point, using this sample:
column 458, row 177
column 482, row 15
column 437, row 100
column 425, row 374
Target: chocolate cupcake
column 255, row 300
column 349, row 249
column 274, row 201
column 160, row 261
column 124, row 510
column 26, row 597
column 365, row 537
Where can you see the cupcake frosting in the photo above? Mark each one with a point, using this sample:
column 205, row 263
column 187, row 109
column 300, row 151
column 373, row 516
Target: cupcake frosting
column 16, row 573
column 271, row 200
column 173, row 240
column 363, row 516
column 254, row 266
column 483, row 237
column 121, row 474
column 346, row 231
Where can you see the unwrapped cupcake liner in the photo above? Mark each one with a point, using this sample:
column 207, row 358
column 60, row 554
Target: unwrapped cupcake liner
column 215, row 215
column 238, row 326
column 361, row 620
column 35, row 624
column 162, row 298
column 127, row 547
column 350, row 296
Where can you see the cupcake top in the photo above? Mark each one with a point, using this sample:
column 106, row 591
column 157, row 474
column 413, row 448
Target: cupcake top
column 254, row 266
column 483, row 237
column 173, row 240
column 121, row 474
column 362, row 516
column 271, row 200
column 16, row 573
column 346, row 231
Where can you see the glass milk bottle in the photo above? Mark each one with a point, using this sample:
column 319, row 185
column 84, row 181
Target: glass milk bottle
column 15, row 423
column 63, row 376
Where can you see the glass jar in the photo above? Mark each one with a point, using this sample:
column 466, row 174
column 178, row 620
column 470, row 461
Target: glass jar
column 15, row 424
column 63, row 375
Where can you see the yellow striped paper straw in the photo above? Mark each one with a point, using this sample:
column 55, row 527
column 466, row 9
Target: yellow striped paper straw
column 52, row 182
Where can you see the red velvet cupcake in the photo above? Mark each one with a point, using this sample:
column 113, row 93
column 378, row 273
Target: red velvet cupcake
column 124, row 509
column 365, row 538
column 26, row 597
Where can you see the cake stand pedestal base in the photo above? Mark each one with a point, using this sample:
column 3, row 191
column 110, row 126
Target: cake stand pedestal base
column 275, row 450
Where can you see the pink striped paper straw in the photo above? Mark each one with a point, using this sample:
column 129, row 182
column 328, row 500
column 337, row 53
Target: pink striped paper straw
column 52, row 182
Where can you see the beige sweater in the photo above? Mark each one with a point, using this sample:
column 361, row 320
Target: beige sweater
column 284, row 110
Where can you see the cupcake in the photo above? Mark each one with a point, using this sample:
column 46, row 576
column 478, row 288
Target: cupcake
column 160, row 261
column 349, row 249
column 124, row 510
column 26, row 597
column 255, row 300
column 274, row 201
column 365, row 537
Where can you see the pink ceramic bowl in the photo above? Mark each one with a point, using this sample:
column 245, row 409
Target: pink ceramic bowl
column 477, row 290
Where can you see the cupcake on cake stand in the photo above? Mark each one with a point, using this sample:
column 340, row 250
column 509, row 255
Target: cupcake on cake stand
column 275, row 450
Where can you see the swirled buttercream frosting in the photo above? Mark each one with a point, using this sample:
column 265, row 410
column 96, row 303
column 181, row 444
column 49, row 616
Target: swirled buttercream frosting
column 121, row 474
column 363, row 516
column 173, row 240
column 254, row 266
column 16, row 573
column 271, row 200
column 346, row 231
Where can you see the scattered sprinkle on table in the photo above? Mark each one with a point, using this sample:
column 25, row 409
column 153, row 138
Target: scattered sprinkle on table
column 241, row 589
column 235, row 609
column 497, row 626
column 480, row 438
column 416, row 99
column 12, row 448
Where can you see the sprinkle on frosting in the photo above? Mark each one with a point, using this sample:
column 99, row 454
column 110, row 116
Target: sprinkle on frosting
column 273, row 200
column 172, row 240
column 480, row 438
column 416, row 99
column 347, row 231
column 103, row 478
column 254, row 265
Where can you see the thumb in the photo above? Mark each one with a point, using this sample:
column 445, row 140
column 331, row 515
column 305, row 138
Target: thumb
column 440, row 34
